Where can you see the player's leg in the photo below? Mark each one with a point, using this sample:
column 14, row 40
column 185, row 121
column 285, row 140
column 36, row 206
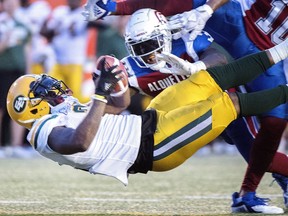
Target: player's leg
column 249, row 67
column 56, row 72
column 182, row 131
column 197, row 87
column 273, row 123
column 74, row 79
column 240, row 71
column 175, row 107
column 242, row 133
column 259, row 102
column 248, row 201
column 235, row 40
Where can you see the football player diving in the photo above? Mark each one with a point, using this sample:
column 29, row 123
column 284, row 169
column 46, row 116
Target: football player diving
column 87, row 138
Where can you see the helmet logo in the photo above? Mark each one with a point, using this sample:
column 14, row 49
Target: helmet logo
column 160, row 17
column 19, row 103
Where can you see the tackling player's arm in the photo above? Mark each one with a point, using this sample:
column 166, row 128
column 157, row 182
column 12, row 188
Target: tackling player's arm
column 166, row 7
column 215, row 4
column 99, row 9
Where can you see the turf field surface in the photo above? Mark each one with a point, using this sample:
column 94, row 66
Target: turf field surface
column 201, row 186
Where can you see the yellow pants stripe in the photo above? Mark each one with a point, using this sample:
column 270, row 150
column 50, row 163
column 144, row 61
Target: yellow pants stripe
column 184, row 136
column 190, row 114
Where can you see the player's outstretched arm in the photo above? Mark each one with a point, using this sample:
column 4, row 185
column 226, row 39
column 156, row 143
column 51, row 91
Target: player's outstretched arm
column 98, row 9
column 69, row 141
column 120, row 97
column 194, row 20
column 237, row 73
column 179, row 66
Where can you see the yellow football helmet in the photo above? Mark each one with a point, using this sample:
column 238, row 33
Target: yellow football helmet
column 22, row 106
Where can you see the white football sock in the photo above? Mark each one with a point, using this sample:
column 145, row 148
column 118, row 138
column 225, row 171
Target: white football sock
column 280, row 51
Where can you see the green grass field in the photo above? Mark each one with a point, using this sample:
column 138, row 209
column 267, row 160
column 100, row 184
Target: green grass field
column 201, row 186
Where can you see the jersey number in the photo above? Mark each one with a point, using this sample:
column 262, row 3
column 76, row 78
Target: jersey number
column 265, row 24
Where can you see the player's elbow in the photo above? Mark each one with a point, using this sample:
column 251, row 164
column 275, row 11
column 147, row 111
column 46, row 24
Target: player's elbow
column 83, row 148
column 82, row 143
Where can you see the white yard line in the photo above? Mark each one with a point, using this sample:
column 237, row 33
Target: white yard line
column 19, row 202
column 184, row 197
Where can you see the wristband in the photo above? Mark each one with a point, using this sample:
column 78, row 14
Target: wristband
column 99, row 98
column 207, row 9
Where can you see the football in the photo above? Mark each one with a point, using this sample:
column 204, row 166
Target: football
column 110, row 61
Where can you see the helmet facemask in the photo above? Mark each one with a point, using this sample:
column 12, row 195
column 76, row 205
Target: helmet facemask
column 49, row 89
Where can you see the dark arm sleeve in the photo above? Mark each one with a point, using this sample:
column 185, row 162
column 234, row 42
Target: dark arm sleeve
column 166, row 7
column 241, row 71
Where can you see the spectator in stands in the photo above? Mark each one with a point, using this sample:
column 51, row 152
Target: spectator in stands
column 67, row 33
column 14, row 61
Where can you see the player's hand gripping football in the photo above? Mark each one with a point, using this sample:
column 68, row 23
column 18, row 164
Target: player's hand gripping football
column 108, row 79
column 179, row 66
column 191, row 22
column 98, row 9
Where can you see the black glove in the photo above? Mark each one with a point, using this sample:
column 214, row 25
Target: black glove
column 108, row 80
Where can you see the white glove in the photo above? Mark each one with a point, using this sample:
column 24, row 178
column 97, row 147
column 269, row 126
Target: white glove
column 178, row 65
column 193, row 20
column 98, row 9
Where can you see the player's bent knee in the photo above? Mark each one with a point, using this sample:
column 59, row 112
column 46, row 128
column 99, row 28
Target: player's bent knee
column 234, row 98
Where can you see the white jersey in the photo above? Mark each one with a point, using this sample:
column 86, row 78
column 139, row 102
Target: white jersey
column 112, row 152
column 35, row 15
column 70, row 41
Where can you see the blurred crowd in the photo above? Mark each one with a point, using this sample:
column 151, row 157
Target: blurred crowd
column 41, row 37
column 45, row 37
